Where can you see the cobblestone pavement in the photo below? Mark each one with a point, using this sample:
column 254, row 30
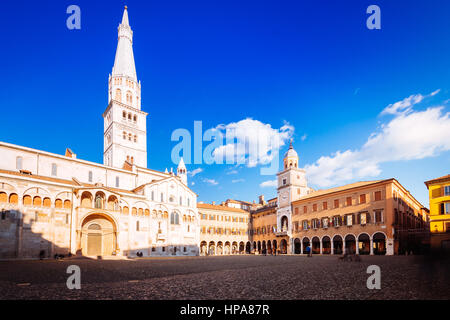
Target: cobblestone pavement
column 228, row 277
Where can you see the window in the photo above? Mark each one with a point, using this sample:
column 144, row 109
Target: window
column 378, row 216
column 98, row 202
column 363, row 218
column 3, row 215
column 117, row 182
column 54, row 169
column 362, row 198
column 349, row 220
column 284, row 182
column 119, row 95
column 90, row 176
column 325, row 222
column 181, row 200
column 305, row 225
column 135, row 138
column 137, row 225
column 135, row 118
column 314, row 207
column 174, row 218
column 349, row 201
column 19, row 163
column 377, row 195
column 445, row 208
column 447, row 191
column 189, row 202
column 336, row 221
column 336, row 203
column 124, row 115
column 124, row 135
column 305, row 209
column 325, row 205
column 153, row 195
column 296, row 211
column 162, row 197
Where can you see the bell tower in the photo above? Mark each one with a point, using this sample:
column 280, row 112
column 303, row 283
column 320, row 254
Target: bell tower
column 292, row 185
column 125, row 124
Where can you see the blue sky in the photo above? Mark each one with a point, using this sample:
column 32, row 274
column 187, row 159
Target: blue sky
column 312, row 64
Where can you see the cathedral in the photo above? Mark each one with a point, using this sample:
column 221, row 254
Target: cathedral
column 58, row 205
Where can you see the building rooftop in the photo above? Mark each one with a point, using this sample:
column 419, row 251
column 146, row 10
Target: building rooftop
column 437, row 180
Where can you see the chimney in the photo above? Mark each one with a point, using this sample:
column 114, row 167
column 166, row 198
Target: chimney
column 213, row 203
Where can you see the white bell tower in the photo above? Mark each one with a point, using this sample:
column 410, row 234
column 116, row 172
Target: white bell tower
column 125, row 125
column 292, row 185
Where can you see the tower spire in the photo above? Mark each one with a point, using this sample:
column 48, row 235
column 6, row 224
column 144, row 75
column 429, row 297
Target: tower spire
column 124, row 63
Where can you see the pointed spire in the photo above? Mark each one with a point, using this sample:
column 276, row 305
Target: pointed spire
column 124, row 62
column 125, row 21
column 290, row 145
column 181, row 164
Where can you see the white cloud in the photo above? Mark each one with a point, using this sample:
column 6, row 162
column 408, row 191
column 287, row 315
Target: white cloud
column 211, row 181
column 255, row 142
column 408, row 136
column 405, row 105
column 238, row 180
column 232, row 172
column 192, row 183
column 303, row 138
column 269, row 184
column 193, row 173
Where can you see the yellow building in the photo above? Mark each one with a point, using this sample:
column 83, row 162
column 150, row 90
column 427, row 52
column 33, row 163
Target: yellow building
column 223, row 229
column 439, row 193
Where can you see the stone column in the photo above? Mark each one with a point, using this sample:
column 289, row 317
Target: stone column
column 356, row 246
column 301, row 247
column 343, row 246
column 321, row 247
column 332, row 247
column 371, row 246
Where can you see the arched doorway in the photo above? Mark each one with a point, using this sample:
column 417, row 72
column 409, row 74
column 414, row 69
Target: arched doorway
column 227, row 249
column 315, row 245
column 234, row 247
column 283, row 246
column 259, row 247
column 248, row 248
column 326, row 245
column 297, row 246
column 305, row 243
column 203, row 248
column 350, row 244
column 269, row 247
column 212, row 248
column 98, row 236
column 241, row 248
column 337, row 244
column 379, row 243
column 254, row 247
column 364, row 243
column 264, row 249
column 275, row 246
column 219, row 248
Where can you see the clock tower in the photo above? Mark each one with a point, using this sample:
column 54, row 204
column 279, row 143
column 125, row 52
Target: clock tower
column 292, row 185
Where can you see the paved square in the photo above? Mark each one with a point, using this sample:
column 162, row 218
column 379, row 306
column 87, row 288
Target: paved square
column 228, row 277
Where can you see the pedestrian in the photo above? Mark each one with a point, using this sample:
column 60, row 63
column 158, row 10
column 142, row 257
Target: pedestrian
column 308, row 250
